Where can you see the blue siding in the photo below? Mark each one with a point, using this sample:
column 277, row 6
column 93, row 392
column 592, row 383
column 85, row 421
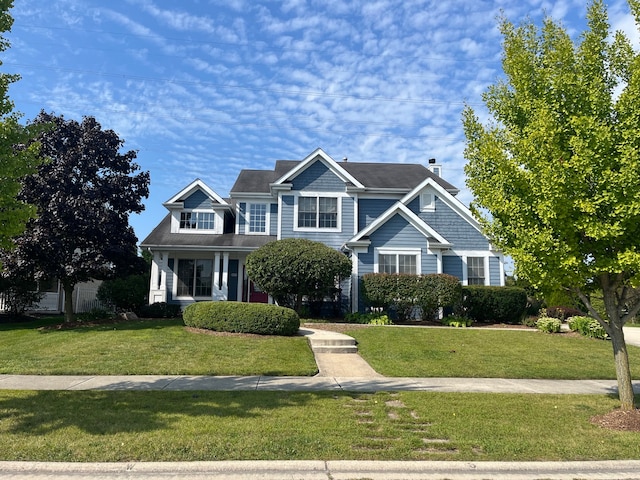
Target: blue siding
column 286, row 216
column 452, row 266
column 494, row 271
column 197, row 199
column 451, row 226
column 318, row 178
column 333, row 239
column 397, row 232
column 371, row 208
column 273, row 223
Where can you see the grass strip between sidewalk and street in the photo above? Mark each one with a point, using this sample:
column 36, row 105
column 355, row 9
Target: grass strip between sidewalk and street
column 93, row 426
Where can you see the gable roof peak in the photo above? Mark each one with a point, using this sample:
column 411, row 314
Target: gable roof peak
column 318, row 155
column 195, row 185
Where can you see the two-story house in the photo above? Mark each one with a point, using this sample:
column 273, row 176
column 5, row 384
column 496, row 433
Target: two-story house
column 388, row 217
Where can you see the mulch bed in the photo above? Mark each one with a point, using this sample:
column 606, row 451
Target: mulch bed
column 624, row 420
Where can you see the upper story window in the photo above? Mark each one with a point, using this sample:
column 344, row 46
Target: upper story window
column 475, row 271
column 318, row 212
column 258, row 218
column 427, row 202
column 197, row 220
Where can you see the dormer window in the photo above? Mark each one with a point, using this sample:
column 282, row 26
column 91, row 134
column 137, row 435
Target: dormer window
column 197, row 220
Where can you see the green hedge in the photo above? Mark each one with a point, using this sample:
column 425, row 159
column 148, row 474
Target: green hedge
column 494, row 304
column 159, row 310
column 405, row 292
column 259, row 318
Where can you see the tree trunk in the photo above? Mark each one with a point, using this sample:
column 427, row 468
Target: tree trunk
column 613, row 327
column 68, row 302
column 623, row 373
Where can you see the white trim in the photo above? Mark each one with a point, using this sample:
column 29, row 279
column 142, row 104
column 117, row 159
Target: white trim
column 443, row 195
column 197, row 184
column 427, row 202
column 174, row 288
column 279, row 226
column 217, row 222
column 317, row 154
column 247, row 218
column 412, row 218
column 356, row 211
column 317, row 195
column 397, row 251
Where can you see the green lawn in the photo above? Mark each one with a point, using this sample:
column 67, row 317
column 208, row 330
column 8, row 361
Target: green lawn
column 188, row 426
column 443, row 352
column 160, row 347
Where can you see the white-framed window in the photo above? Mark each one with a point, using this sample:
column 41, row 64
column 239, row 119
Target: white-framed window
column 427, row 202
column 318, row 213
column 195, row 278
column 258, row 218
column 398, row 261
column 197, row 220
column 475, row 271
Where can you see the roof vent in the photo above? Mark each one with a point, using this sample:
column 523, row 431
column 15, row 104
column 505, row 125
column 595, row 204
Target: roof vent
column 345, row 159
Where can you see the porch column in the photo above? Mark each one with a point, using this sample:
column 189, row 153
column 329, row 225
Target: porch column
column 158, row 281
column 215, row 293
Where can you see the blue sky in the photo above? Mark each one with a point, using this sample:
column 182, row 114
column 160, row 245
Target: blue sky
column 205, row 88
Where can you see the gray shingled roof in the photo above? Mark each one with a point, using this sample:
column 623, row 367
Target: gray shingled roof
column 371, row 175
column 162, row 236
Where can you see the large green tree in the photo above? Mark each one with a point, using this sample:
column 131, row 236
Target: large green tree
column 16, row 160
column 84, row 194
column 556, row 174
column 294, row 268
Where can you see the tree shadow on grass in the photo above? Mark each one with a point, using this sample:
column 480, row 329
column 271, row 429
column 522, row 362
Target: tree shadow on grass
column 112, row 412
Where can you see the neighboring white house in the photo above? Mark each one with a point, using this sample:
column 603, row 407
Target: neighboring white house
column 52, row 301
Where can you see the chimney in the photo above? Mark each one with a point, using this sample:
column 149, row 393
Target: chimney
column 434, row 167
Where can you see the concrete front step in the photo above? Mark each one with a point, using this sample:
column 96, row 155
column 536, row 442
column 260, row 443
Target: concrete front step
column 322, row 341
column 335, row 349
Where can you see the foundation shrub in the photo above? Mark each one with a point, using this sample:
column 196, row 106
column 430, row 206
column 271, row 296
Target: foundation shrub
column 159, row 310
column 236, row 317
column 494, row 304
column 587, row 326
column 548, row 325
column 407, row 294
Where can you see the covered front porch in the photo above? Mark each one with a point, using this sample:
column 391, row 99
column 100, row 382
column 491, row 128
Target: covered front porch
column 187, row 277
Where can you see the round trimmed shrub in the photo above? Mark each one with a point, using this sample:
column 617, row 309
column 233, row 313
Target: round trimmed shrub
column 237, row 317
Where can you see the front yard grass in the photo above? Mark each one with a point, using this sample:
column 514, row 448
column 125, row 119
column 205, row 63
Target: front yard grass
column 478, row 353
column 148, row 347
column 92, row 426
